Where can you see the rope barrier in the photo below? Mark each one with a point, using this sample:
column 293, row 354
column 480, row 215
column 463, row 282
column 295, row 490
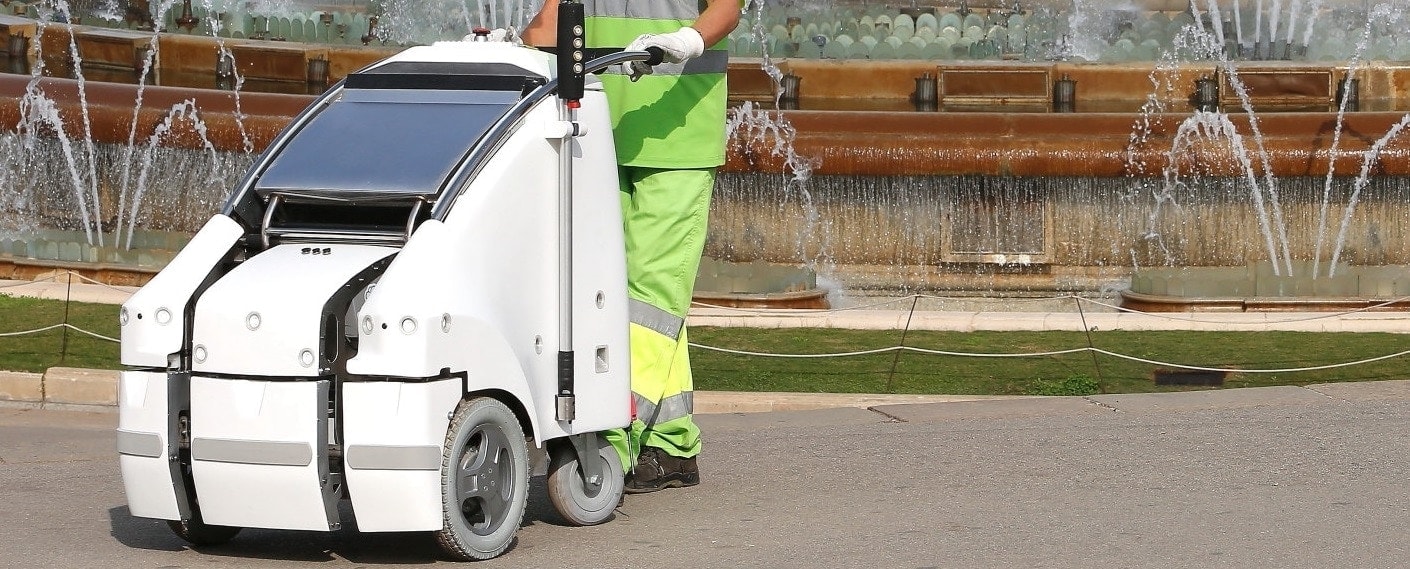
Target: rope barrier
column 101, row 283
column 64, row 325
column 1049, row 353
column 56, row 326
column 93, row 334
column 770, row 355
column 991, row 355
column 34, row 331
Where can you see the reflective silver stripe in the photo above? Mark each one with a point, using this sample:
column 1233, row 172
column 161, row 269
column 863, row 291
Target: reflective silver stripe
column 380, row 457
column 136, row 443
column 671, row 408
column 687, row 10
column 275, row 453
column 654, row 319
column 712, row 61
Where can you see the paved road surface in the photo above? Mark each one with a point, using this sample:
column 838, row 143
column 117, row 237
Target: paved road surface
column 1274, row 477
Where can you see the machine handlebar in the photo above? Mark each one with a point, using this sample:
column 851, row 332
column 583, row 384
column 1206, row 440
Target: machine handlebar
column 652, row 56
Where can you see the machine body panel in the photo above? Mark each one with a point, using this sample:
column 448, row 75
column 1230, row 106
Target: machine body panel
column 154, row 325
column 147, row 408
column 258, row 453
column 393, row 434
column 266, row 317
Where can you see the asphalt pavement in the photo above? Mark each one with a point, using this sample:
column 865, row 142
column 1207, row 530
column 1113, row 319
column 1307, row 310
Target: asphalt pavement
column 1272, row 477
column 1310, row 476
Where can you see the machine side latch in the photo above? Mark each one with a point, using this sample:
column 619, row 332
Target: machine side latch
column 565, row 404
column 566, row 408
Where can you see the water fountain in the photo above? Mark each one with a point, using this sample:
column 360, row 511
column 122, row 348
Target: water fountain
column 984, row 189
column 1008, row 194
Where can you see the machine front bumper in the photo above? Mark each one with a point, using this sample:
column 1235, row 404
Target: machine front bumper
column 259, row 450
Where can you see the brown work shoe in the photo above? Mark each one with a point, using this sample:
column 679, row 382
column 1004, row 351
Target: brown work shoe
column 656, row 469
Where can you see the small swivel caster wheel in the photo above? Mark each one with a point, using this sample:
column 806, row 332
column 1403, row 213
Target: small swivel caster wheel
column 583, row 502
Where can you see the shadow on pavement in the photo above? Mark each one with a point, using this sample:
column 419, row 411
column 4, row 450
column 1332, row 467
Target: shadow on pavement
column 142, row 533
column 400, row 548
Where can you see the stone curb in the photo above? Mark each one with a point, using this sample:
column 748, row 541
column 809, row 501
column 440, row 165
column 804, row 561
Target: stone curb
column 78, row 386
column 21, row 387
column 60, row 386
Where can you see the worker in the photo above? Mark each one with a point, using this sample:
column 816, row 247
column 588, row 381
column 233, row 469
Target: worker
column 669, row 126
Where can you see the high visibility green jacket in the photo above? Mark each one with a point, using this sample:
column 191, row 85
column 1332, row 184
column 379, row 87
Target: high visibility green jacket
column 674, row 117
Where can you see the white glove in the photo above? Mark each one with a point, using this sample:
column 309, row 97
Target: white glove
column 678, row 46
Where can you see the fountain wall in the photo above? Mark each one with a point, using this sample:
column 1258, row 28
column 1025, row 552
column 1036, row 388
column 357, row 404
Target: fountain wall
column 1027, row 233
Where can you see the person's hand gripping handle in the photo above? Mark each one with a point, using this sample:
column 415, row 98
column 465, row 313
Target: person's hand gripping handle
column 675, row 47
column 643, row 67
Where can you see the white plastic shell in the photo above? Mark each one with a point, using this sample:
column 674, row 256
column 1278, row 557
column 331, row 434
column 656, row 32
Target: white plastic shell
column 264, row 317
column 393, row 438
column 258, row 452
column 146, row 342
column 539, row 62
column 144, row 445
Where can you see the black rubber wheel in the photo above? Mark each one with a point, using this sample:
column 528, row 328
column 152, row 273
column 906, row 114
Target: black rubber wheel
column 484, row 480
column 197, row 532
column 570, row 496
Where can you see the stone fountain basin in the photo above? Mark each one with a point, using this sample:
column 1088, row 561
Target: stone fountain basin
column 757, row 284
column 1256, row 288
column 30, row 254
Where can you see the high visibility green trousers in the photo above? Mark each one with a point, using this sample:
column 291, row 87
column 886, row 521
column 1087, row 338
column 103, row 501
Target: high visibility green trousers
column 664, row 214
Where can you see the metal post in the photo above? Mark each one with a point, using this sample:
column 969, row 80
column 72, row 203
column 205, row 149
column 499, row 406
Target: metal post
column 1065, row 95
column 570, row 92
column 1349, row 94
column 789, row 85
column 1206, row 97
column 925, row 97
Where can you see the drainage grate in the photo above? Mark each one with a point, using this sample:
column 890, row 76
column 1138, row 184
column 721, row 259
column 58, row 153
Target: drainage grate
column 1189, row 377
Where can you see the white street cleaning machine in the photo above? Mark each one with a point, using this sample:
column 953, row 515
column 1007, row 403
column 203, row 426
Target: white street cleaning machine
column 423, row 273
